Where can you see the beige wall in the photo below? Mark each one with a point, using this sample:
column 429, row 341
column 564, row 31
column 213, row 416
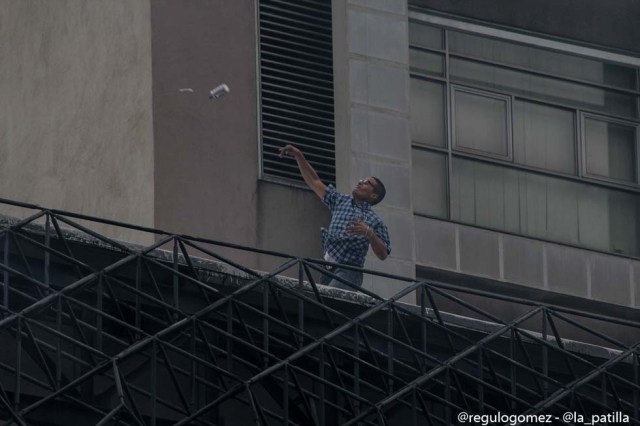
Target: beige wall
column 75, row 107
column 371, row 63
column 207, row 152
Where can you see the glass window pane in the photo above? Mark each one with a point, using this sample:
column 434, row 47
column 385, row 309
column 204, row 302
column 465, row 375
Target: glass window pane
column 430, row 183
column 545, row 207
column 610, row 150
column 480, row 123
column 425, row 35
column 426, row 62
column 544, row 137
column 542, row 88
column 427, row 112
column 539, row 59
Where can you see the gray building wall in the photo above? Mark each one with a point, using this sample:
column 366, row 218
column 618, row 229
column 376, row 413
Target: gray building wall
column 371, row 62
column 75, row 108
column 77, row 104
column 207, row 152
column 373, row 138
column 558, row 270
column 521, row 261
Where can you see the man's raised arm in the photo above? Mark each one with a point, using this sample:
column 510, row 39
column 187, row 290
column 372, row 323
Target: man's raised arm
column 308, row 174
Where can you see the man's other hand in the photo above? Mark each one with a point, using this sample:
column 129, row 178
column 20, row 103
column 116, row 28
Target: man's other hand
column 358, row 228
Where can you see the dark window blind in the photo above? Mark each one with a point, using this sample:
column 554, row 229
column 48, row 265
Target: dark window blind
column 296, row 78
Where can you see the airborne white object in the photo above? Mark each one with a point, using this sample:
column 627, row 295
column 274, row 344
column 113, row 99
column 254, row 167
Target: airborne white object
column 219, row 91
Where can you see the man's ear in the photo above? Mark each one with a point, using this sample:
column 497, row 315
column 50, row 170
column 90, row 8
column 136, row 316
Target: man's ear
column 373, row 196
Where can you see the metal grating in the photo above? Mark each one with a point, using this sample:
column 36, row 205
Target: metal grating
column 98, row 332
column 296, row 66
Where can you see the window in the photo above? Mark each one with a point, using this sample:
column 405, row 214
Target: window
column 544, row 136
column 427, row 111
column 296, row 86
column 481, row 122
column 610, row 150
column 430, row 190
column 524, row 139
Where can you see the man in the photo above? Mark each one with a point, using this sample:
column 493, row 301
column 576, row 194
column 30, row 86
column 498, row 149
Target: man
column 354, row 225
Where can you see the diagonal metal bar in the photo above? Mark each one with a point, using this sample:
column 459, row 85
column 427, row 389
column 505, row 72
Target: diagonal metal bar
column 21, row 223
column 570, row 387
column 24, row 259
column 65, row 244
column 446, row 365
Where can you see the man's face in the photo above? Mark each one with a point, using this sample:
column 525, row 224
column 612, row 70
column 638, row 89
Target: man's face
column 364, row 189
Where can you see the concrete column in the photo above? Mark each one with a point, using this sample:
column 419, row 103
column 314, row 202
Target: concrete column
column 371, row 61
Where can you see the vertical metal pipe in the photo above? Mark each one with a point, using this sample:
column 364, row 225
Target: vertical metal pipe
column 58, row 341
column 480, row 381
column 512, row 368
column 301, row 322
column 321, row 373
column 423, row 312
column 100, row 291
column 356, row 365
column 636, row 406
column 5, row 292
column 193, row 366
column 138, row 289
column 390, row 353
column 176, row 279
column 47, row 254
column 447, row 395
column 300, row 305
column 16, row 396
column 230, row 333
column 285, row 395
column 300, row 273
column 545, row 353
column 414, row 406
column 265, row 322
column 154, row 383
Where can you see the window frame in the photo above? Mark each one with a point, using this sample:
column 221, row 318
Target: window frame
column 583, row 116
column 579, row 111
column 455, row 88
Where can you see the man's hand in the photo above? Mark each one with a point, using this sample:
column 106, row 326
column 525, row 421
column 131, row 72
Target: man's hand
column 289, row 150
column 361, row 228
column 309, row 175
column 358, row 228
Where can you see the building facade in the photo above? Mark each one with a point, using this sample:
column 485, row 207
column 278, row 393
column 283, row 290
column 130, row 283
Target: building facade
column 506, row 132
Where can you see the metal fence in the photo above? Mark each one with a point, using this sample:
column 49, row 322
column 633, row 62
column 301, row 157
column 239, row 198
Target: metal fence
column 96, row 331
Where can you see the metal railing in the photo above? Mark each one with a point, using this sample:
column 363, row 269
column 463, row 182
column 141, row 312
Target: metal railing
column 96, row 331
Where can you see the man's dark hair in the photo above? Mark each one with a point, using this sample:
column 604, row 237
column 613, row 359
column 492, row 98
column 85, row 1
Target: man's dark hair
column 379, row 190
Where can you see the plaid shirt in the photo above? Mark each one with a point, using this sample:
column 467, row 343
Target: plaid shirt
column 349, row 249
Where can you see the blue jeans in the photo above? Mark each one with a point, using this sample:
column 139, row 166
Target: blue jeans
column 354, row 277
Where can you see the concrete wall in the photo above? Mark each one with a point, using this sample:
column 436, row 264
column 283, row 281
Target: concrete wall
column 289, row 222
column 373, row 139
column 372, row 120
column 207, row 152
column 554, row 268
column 75, row 107
column 525, row 262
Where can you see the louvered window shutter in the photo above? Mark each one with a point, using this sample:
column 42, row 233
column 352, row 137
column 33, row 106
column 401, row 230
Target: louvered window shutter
column 296, row 78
